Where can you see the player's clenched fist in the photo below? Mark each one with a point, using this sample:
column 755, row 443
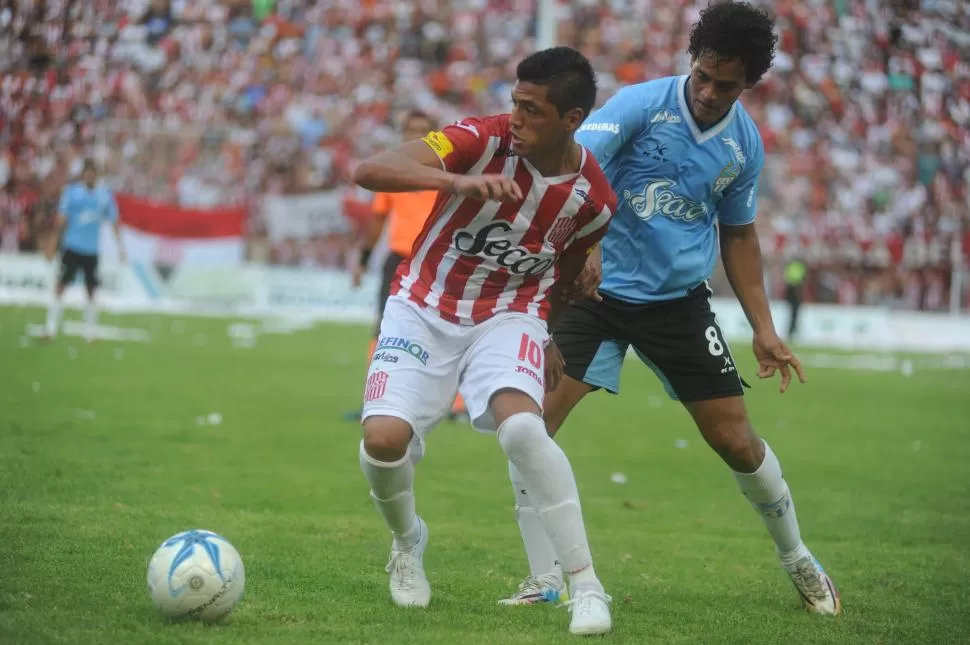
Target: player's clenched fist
column 484, row 187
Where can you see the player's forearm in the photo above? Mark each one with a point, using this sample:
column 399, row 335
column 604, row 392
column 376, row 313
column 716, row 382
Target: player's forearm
column 394, row 172
column 741, row 255
column 56, row 232
column 557, row 307
column 569, row 269
column 372, row 233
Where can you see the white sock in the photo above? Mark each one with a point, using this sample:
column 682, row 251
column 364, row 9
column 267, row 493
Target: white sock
column 392, row 489
column 538, row 548
column 768, row 493
column 90, row 319
column 54, row 317
column 551, row 486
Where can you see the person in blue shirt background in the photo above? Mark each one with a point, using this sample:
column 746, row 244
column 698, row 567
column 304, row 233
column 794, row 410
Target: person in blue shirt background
column 84, row 205
column 684, row 158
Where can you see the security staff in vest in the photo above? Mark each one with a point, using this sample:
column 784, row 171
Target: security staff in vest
column 795, row 273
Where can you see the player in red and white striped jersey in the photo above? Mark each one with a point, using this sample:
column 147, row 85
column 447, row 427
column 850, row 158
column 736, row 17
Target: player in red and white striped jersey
column 476, row 258
column 520, row 205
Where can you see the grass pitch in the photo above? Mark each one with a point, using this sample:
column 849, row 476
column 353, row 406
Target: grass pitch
column 102, row 456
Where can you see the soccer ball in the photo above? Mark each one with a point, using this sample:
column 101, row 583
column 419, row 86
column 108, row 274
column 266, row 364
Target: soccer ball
column 196, row 574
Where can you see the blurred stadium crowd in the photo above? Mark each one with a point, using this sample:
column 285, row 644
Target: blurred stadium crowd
column 865, row 115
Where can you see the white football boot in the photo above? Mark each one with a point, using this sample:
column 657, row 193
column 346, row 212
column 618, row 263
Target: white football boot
column 537, row 589
column 819, row 594
column 409, row 586
column 590, row 608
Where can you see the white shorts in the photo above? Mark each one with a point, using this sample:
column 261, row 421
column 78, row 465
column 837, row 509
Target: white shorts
column 422, row 361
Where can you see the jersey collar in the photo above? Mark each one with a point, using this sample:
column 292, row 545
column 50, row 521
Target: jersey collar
column 700, row 136
column 558, row 179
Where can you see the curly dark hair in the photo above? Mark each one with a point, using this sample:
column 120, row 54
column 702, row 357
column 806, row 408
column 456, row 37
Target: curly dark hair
column 736, row 30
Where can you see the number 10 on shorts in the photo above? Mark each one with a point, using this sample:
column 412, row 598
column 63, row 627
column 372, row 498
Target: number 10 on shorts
column 530, row 350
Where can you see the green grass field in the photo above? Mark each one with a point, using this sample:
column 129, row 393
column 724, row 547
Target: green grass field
column 101, row 458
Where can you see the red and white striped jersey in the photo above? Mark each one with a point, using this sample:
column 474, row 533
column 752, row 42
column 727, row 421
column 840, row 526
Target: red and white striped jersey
column 476, row 258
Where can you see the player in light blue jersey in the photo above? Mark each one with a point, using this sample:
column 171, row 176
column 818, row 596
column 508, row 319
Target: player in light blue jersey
column 83, row 207
column 684, row 158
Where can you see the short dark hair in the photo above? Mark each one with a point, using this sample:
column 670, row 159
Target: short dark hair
column 736, row 30
column 568, row 75
column 89, row 165
column 417, row 114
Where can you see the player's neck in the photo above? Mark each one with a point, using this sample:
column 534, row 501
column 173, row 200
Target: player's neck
column 564, row 160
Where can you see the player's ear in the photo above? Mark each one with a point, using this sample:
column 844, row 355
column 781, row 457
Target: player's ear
column 574, row 118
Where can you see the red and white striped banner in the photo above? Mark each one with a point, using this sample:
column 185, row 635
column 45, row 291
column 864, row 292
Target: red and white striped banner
column 166, row 234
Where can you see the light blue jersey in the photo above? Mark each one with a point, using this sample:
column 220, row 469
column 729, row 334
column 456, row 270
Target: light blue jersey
column 674, row 182
column 84, row 210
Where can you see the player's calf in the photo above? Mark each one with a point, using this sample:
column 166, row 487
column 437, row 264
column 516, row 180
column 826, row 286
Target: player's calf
column 549, row 477
column 386, row 462
column 725, row 426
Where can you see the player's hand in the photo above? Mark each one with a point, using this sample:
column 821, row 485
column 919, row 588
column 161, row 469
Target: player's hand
column 588, row 281
column 554, row 366
column 774, row 356
column 484, row 187
column 357, row 276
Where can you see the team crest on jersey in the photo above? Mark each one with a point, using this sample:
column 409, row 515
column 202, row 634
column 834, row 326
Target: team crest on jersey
column 735, row 148
column 728, row 174
column 562, row 229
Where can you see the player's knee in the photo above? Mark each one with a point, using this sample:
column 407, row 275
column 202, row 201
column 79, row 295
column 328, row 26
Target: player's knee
column 520, row 433
column 737, row 443
column 386, row 438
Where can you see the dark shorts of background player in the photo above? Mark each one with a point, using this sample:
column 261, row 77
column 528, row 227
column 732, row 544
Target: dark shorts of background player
column 72, row 262
column 387, row 276
column 678, row 339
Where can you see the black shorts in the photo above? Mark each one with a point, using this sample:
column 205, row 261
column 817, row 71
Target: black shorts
column 678, row 339
column 72, row 262
column 387, row 277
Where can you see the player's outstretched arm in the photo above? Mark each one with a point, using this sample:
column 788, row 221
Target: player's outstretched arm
column 416, row 166
column 741, row 255
column 411, row 167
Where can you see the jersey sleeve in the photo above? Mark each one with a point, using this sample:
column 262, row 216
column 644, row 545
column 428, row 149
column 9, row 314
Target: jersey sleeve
column 608, row 129
column 461, row 145
column 739, row 205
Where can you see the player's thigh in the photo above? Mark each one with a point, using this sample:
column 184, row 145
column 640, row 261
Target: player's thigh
column 590, row 337
column 683, row 344
column 70, row 265
column 413, row 373
column 89, row 268
column 561, row 401
column 508, row 354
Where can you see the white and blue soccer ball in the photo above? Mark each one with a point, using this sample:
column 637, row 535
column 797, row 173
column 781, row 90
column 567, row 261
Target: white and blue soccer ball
column 196, row 574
